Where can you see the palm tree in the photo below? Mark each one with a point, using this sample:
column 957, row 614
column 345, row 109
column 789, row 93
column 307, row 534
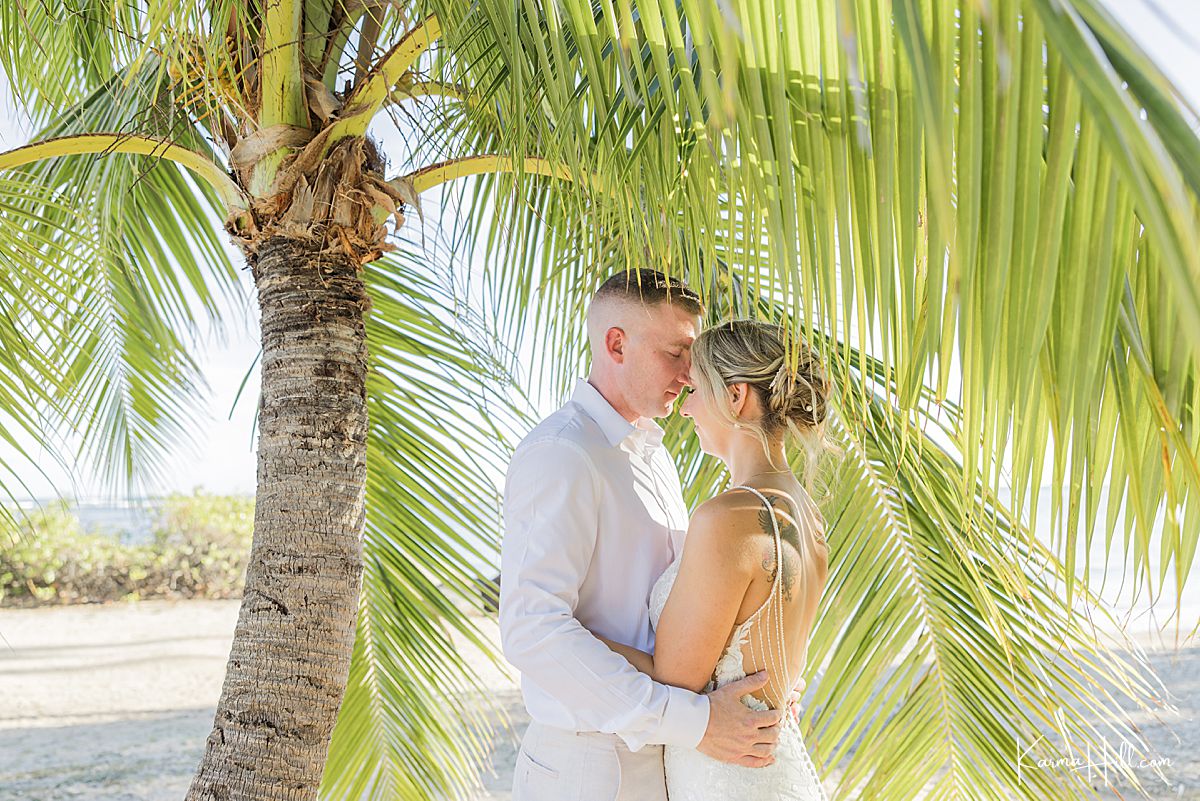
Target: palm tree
column 1006, row 192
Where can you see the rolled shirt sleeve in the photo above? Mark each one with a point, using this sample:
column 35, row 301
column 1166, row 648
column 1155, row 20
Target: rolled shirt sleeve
column 550, row 520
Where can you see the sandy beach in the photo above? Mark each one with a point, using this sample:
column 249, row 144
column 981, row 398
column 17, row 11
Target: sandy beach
column 113, row 702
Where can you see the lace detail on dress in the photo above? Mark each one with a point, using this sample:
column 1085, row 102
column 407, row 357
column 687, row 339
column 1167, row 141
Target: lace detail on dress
column 693, row 776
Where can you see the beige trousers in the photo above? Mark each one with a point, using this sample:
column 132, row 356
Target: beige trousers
column 558, row 765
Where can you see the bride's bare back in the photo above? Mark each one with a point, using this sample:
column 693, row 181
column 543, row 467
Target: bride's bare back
column 805, row 571
column 772, row 625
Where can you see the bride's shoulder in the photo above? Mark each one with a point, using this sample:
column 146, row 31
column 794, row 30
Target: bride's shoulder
column 724, row 505
column 742, row 513
column 741, row 499
column 730, row 514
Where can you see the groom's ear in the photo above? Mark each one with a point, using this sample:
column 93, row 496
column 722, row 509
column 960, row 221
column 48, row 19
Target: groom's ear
column 614, row 343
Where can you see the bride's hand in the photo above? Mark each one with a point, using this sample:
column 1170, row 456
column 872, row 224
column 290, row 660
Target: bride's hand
column 793, row 701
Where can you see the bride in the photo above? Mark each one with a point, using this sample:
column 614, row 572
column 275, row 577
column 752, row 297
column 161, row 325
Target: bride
column 743, row 594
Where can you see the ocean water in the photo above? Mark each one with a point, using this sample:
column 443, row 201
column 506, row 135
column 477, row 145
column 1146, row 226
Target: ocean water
column 129, row 522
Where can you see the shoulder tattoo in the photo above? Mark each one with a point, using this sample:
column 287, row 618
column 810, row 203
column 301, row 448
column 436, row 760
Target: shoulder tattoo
column 787, row 533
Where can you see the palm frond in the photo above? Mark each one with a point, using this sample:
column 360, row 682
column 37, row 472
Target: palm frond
column 959, row 644
column 28, row 315
column 58, row 52
column 116, row 297
column 958, row 191
column 414, row 720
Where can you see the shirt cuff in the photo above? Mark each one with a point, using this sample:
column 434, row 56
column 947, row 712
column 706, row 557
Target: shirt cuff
column 686, row 718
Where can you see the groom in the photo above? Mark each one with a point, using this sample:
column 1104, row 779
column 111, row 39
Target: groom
column 593, row 514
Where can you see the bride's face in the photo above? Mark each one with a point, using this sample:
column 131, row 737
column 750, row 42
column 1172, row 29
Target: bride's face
column 711, row 430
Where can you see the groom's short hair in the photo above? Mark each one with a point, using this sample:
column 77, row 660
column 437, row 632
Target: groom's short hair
column 651, row 288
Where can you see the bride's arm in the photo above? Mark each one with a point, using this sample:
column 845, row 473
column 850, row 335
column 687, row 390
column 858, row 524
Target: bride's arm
column 717, row 567
column 639, row 659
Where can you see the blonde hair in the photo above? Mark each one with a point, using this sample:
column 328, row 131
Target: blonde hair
column 794, row 397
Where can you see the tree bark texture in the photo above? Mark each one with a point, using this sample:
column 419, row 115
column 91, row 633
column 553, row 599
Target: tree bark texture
column 290, row 658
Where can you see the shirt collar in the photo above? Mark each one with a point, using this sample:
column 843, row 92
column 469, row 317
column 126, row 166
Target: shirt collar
column 646, row 435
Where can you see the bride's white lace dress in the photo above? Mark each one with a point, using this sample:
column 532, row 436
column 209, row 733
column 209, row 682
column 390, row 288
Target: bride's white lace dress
column 693, row 776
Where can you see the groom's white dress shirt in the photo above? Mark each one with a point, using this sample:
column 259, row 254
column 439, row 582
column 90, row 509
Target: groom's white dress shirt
column 593, row 515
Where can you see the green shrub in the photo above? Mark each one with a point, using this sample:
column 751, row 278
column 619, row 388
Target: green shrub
column 200, row 548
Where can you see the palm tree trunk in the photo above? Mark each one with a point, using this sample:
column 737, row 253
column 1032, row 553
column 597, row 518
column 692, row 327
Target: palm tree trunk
column 290, row 659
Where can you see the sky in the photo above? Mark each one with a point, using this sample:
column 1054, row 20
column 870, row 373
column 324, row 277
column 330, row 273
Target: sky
column 222, row 459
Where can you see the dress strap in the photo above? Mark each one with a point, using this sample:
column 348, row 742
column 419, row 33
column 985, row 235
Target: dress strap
column 774, row 629
column 779, row 548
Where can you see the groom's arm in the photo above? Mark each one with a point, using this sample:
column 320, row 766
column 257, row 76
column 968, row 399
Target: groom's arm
column 550, row 515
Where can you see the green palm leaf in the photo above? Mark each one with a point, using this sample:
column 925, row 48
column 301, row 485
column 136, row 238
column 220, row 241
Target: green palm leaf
column 414, row 720
column 115, row 300
column 955, row 198
column 940, row 640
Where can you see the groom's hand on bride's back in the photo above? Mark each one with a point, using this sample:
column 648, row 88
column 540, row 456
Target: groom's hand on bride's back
column 736, row 733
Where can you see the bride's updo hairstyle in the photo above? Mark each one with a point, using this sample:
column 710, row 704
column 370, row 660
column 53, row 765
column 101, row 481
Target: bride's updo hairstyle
column 794, row 396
